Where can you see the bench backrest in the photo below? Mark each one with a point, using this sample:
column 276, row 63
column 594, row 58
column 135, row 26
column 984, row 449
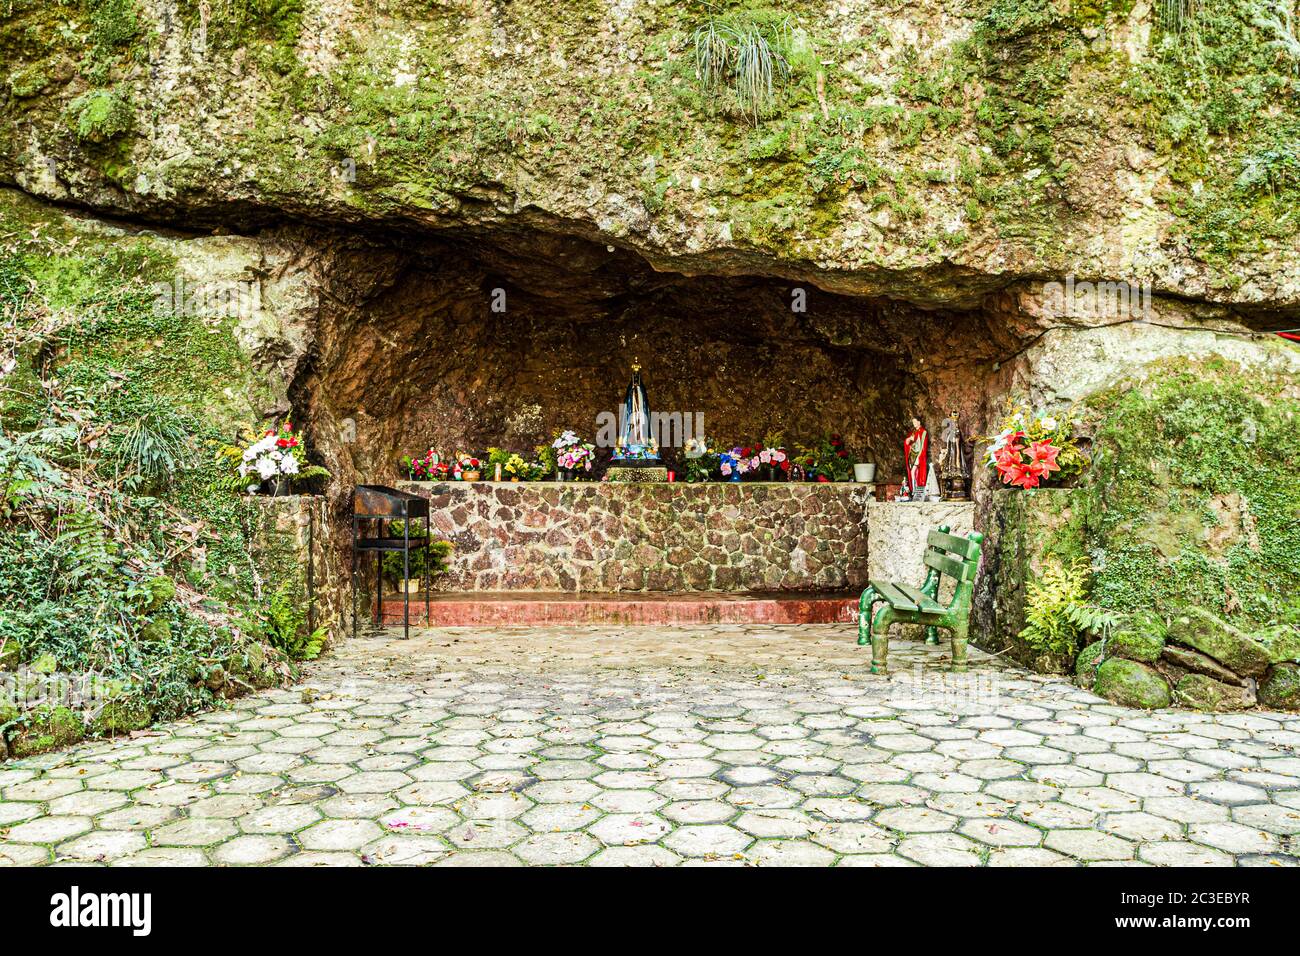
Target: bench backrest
column 951, row 555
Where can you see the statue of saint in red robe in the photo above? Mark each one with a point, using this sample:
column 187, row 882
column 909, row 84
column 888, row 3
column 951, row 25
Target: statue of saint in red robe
column 916, row 447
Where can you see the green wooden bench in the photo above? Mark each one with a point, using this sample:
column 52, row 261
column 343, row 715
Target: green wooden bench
column 945, row 553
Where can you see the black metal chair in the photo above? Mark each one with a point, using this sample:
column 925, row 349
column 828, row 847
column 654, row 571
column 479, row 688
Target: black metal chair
column 379, row 504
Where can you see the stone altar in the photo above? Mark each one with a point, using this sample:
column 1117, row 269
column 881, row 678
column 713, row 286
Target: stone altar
column 609, row 536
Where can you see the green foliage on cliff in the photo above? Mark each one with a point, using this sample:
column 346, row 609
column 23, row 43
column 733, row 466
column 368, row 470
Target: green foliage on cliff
column 114, row 557
column 1194, row 493
column 101, row 115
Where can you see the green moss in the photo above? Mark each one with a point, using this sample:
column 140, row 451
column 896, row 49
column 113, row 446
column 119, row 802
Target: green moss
column 47, row 730
column 1131, row 684
column 1202, row 692
column 1210, row 454
column 100, row 115
column 119, row 717
column 1137, row 644
column 130, row 349
column 1281, row 689
column 1089, row 659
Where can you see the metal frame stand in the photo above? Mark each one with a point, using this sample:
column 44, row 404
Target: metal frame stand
column 378, row 504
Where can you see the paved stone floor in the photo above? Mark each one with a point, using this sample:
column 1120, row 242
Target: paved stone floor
column 732, row 745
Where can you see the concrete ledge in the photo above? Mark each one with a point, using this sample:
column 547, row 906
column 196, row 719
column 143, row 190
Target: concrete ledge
column 521, row 608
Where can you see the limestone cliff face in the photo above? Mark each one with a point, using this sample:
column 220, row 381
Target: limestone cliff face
column 933, row 151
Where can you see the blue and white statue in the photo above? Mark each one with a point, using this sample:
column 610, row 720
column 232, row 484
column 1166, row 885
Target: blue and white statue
column 636, row 442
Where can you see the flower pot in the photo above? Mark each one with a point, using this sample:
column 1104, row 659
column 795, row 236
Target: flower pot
column 864, row 473
column 469, row 476
column 277, row 487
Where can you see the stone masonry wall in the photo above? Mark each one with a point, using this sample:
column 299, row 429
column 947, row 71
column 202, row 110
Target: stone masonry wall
column 650, row 537
column 293, row 547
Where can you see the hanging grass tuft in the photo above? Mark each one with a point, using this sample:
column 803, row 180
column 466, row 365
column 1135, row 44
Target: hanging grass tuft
column 744, row 61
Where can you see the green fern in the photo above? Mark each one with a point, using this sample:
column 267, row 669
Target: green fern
column 284, row 627
column 1058, row 615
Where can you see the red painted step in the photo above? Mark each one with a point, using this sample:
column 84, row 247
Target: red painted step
column 487, row 608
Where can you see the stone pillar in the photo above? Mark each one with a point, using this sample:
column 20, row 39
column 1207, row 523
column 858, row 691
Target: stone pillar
column 1022, row 530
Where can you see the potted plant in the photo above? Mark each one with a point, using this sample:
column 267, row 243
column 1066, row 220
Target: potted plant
column 864, row 472
column 467, row 467
column 572, row 456
column 270, row 464
column 1032, row 450
column 427, row 467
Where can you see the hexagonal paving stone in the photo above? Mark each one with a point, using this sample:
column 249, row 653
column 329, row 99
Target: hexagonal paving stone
column 101, row 846
column 789, row 853
column 699, row 811
column 288, row 818
column 777, row 823
column 494, row 806
column 940, row 849
column 629, row 829
column 707, row 840
column 48, row 829
column 1233, row 837
column 629, row 801
column 339, row 835
column 915, row 820
column 649, row 855
column 749, row 776
column 203, row 831
column 486, row 834
column 1182, row 854
column 1273, row 819
column 557, row 848
column 854, row 838
column 46, row 789
column 252, row 850
column 1088, row 845
column 405, row 850
column 1000, row 832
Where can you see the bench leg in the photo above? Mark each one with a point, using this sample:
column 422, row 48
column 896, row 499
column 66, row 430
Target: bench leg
column 880, row 640
column 931, row 634
column 959, row 632
column 865, row 605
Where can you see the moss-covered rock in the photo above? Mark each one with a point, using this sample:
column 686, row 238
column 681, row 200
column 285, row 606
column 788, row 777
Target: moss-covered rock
column 157, row 631
column 1280, row 643
column 161, row 590
column 1215, row 637
column 1281, row 688
column 1142, row 638
column 1203, row 692
column 122, row 716
column 101, row 115
column 1183, row 659
column 48, row 730
column 1131, row 684
column 1086, row 664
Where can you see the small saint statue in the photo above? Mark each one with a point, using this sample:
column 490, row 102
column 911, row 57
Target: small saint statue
column 916, row 448
column 635, row 441
column 954, row 471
